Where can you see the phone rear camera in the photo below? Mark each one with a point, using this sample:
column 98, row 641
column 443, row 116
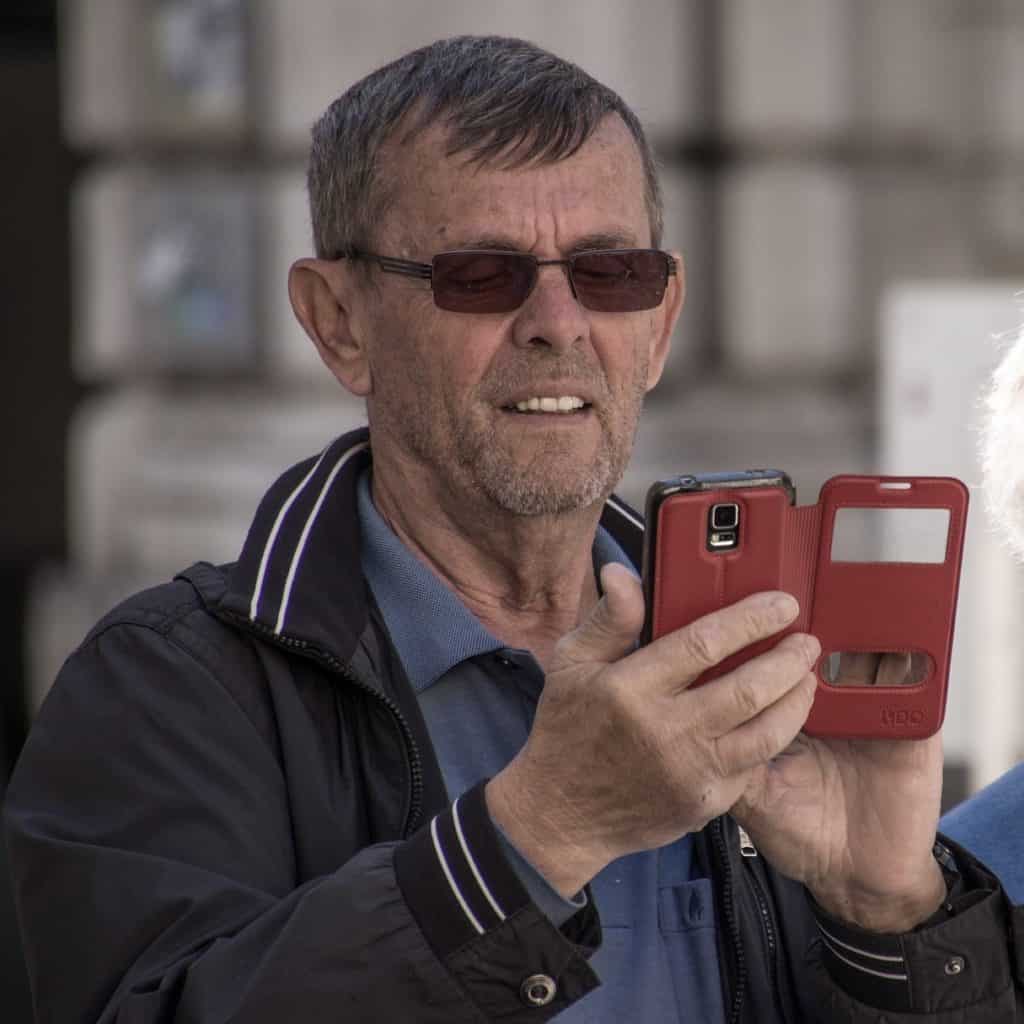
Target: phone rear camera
column 725, row 517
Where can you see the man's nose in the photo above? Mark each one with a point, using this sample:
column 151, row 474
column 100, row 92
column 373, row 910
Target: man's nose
column 551, row 314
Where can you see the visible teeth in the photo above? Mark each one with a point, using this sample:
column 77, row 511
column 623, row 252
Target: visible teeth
column 564, row 403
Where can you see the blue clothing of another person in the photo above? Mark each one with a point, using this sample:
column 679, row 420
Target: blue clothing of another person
column 991, row 825
column 658, row 958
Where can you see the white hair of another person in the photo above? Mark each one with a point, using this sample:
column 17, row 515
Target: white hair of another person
column 1002, row 446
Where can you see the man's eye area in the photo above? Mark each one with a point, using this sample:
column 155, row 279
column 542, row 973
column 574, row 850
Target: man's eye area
column 477, row 270
column 602, row 274
column 603, row 269
column 477, row 282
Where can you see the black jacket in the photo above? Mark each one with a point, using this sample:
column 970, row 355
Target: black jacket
column 228, row 809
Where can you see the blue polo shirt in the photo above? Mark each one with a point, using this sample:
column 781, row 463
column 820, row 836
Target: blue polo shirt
column 658, row 959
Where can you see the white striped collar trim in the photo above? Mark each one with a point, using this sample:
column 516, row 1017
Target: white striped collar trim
column 268, row 548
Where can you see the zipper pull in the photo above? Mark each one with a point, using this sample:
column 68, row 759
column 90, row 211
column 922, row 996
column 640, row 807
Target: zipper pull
column 747, row 848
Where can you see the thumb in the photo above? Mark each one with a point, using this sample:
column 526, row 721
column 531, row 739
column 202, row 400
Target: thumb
column 611, row 629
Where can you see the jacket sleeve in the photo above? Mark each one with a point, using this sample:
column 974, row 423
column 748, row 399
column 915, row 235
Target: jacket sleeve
column 155, row 876
column 966, row 968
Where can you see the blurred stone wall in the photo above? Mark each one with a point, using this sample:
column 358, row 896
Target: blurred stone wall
column 817, row 155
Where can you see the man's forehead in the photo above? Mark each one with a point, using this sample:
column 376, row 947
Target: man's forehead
column 603, row 178
column 611, row 142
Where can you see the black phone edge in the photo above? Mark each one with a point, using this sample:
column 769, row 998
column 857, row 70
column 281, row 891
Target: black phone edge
column 660, row 490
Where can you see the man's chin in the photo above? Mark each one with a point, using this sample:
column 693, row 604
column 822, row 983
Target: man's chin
column 543, row 489
column 537, row 505
column 543, row 476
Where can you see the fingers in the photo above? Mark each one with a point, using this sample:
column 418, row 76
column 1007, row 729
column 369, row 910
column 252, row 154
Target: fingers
column 895, row 668
column 768, row 733
column 758, row 684
column 857, row 668
column 678, row 658
column 612, row 628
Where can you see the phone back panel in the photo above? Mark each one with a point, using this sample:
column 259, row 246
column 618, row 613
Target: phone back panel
column 690, row 581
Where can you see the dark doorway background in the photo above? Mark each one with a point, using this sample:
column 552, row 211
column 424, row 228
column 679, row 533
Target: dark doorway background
column 38, row 392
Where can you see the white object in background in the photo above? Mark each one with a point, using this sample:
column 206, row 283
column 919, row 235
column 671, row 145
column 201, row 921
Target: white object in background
column 940, row 344
column 651, row 55
column 785, row 70
column 163, row 272
column 788, row 283
column 163, row 69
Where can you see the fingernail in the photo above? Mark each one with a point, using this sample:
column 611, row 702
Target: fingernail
column 785, row 608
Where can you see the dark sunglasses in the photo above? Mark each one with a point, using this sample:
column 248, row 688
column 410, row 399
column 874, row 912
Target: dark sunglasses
column 494, row 281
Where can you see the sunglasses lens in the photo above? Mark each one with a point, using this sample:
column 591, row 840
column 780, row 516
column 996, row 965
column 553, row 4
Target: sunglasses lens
column 620, row 281
column 482, row 282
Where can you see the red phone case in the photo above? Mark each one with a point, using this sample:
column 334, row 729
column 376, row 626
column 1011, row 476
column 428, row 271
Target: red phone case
column 848, row 606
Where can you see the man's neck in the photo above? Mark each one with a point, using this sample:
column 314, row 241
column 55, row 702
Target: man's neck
column 528, row 579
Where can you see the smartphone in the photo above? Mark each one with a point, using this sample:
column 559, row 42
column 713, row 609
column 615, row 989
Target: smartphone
column 713, row 539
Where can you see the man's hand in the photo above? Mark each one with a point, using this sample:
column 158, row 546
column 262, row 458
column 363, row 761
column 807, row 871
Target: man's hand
column 624, row 756
column 855, row 820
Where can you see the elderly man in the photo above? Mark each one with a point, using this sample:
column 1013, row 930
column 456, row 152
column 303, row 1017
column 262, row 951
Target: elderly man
column 403, row 761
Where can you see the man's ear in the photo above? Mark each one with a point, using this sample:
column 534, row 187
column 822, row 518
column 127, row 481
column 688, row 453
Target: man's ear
column 671, row 307
column 322, row 296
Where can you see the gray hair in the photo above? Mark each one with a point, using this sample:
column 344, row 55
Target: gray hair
column 504, row 102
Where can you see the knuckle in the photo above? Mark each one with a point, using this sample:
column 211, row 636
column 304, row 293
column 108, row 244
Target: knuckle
column 754, row 624
column 704, row 643
column 747, row 697
column 757, row 621
column 717, row 762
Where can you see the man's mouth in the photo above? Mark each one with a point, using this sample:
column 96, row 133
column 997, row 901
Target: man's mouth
column 549, row 404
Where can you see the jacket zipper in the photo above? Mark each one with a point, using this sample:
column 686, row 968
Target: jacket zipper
column 336, row 665
column 768, row 927
column 731, row 921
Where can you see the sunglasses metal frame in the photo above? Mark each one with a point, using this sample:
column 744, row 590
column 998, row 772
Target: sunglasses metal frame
column 425, row 271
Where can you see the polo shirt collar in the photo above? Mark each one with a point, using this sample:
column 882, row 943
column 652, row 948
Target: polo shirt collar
column 433, row 631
